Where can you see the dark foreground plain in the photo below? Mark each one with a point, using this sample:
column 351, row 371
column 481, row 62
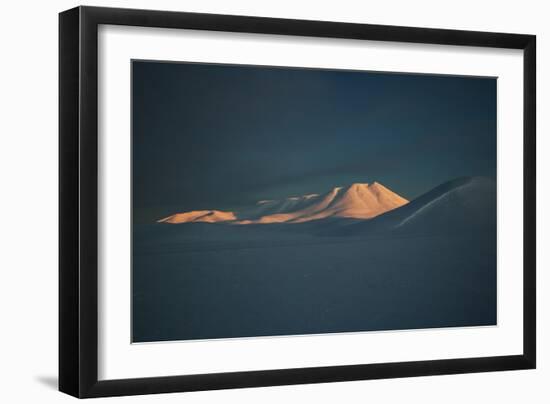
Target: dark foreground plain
column 431, row 263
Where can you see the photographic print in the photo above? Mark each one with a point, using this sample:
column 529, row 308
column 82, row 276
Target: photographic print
column 272, row 201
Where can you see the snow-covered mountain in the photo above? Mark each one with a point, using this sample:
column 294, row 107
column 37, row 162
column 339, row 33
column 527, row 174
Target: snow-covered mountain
column 356, row 201
column 196, row 216
column 467, row 203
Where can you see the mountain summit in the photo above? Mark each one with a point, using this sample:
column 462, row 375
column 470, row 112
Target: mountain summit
column 463, row 205
column 356, row 201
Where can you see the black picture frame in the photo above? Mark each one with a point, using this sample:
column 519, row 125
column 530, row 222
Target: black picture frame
column 78, row 206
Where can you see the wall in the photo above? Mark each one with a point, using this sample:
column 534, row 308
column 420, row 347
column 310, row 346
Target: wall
column 28, row 167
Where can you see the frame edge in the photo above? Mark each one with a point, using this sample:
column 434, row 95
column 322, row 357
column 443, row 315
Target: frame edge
column 69, row 82
column 530, row 202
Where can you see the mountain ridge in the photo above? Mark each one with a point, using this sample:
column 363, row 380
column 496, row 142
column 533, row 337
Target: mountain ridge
column 355, row 201
column 462, row 204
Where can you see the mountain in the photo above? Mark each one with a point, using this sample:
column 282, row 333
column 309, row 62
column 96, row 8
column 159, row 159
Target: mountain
column 463, row 204
column 198, row 216
column 356, row 201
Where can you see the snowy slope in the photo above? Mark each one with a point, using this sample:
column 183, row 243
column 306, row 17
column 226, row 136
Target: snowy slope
column 356, row 201
column 463, row 204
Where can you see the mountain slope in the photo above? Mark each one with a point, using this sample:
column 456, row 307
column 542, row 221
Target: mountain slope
column 199, row 216
column 464, row 204
column 357, row 201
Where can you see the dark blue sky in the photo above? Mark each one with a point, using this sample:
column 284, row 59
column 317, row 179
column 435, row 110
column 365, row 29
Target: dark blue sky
column 217, row 136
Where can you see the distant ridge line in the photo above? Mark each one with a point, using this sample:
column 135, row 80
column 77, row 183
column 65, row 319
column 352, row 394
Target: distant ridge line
column 356, row 201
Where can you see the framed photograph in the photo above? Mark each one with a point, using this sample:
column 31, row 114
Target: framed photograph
column 251, row 201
